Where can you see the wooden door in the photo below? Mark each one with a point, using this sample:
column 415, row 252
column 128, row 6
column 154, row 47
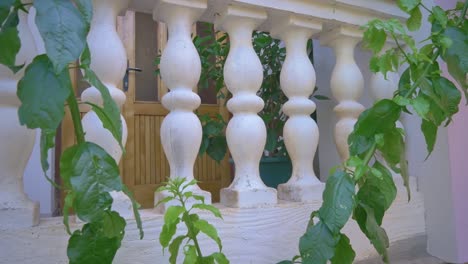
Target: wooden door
column 145, row 165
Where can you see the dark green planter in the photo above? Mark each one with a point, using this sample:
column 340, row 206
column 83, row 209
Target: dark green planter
column 275, row 170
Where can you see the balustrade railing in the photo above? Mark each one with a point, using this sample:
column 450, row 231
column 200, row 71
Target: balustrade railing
column 335, row 24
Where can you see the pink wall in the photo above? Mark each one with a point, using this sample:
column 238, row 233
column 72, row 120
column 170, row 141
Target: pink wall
column 458, row 148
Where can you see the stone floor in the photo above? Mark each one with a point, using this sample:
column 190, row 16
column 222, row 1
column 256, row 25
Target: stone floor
column 408, row 251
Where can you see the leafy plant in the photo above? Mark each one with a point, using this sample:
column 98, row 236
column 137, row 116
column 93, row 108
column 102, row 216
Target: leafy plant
column 423, row 91
column 88, row 172
column 183, row 213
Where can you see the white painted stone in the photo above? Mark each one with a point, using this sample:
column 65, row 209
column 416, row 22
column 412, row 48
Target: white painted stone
column 301, row 135
column 16, row 209
column 109, row 62
column 246, row 132
column 347, row 83
column 256, row 235
column 181, row 130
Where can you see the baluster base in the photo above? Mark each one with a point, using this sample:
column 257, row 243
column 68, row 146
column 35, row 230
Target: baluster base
column 161, row 208
column 299, row 192
column 248, row 198
column 23, row 213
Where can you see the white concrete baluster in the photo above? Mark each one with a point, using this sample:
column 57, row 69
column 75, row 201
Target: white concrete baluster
column 246, row 132
column 16, row 141
column 300, row 132
column 109, row 62
column 347, row 83
column 181, row 130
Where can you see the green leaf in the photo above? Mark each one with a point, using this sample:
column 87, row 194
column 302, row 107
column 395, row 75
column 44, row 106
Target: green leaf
column 89, row 245
column 109, row 114
column 173, row 213
column 217, row 148
column 272, row 140
column 174, row 248
column 378, row 191
column 5, row 7
column 168, row 231
column 317, row 245
column 191, row 256
column 113, row 225
column 210, row 208
column 438, row 15
column 374, row 39
column 430, row 134
column 63, row 29
column 455, row 56
column 220, row 258
column 209, row 230
column 408, row 5
column 10, row 42
column 92, row 173
column 43, row 94
column 421, row 106
column 414, row 21
column 86, row 9
column 338, row 201
column 404, row 171
column 344, row 253
column 447, row 95
column 393, row 146
column 364, row 215
column 135, row 207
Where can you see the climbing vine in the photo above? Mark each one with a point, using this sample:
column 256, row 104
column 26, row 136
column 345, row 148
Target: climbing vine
column 88, row 172
column 423, row 91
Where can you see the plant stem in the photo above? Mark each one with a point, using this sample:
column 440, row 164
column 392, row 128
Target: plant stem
column 189, row 225
column 75, row 113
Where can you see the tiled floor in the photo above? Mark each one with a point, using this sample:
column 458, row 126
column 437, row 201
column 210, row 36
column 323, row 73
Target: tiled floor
column 409, row 251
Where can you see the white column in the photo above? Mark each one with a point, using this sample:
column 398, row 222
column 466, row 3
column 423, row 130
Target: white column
column 181, row 130
column 246, row 132
column 301, row 134
column 347, row 83
column 17, row 142
column 109, row 62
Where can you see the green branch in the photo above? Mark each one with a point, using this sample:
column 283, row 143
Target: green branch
column 76, row 117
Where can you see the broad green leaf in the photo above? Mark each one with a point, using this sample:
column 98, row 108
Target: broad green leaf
column 92, row 174
column 430, row 135
column 405, row 82
column 378, row 192
column 191, row 256
column 217, row 148
column 455, row 56
column 438, row 15
column 208, row 230
column 344, row 253
column 317, row 245
column 63, row 29
column 68, row 205
column 404, row 171
column 210, row 208
column 89, row 245
column 5, row 7
column 414, row 21
column 408, row 5
column 365, row 217
column 43, row 94
column 272, row 140
column 174, row 248
column 421, row 106
column 109, row 114
column 135, row 207
column 168, row 231
column 447, row 94
column 113, row 225
column 338, row 201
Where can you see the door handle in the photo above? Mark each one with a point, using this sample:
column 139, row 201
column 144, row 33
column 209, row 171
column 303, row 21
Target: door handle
column 125, row 79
